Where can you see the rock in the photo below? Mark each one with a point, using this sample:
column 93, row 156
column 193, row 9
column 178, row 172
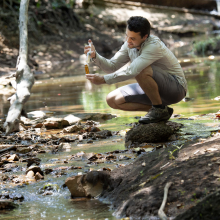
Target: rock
column 48, row 170
column 13, row 157
column 31, row 161
column 92, row 123
column 75, row 187
column 8, row 57
column 208, row 208
column 93, row 191
column 152, row 133
column 35, row 169
column 36, row 114
column 41, row 151
column 65, row 145
column 16, row 180
column 72, row 129
column 50, row 186
column 38, row 176
column 47, row 193
column 69, row 138
column 89, row 185
column 22, row 127
column 4, row 177
column 172, row 137
column 87, row 156
column 72, row 119
column 90, row 116
column 26, row 121
column 103, row 134
column 10, row 166
column 23, row 150
column 7, row 204
column 16, row 196
column 53, row 123
column 205, row 4
column 30, row 174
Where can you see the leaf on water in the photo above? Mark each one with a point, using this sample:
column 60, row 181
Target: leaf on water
column 147, row 146
column 107, row 169
column 149, row 149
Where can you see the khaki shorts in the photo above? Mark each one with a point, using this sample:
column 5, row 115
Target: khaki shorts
column 170, row 90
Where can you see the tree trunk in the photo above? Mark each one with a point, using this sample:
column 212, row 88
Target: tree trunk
column 24, row 77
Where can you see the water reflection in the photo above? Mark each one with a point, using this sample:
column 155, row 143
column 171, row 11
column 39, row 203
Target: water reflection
column 69, row 94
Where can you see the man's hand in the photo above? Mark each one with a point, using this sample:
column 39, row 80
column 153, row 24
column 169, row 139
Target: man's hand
column 87, row 48
column 95, row 79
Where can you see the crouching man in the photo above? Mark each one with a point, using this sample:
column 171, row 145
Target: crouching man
column 160, row 78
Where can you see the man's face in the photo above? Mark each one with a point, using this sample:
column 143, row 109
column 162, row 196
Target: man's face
column 134, row 39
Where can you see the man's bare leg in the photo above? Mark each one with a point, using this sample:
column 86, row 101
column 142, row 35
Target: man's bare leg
column 117, row 101
column 149, row 86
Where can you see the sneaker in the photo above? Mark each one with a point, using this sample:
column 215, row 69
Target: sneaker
column 170, row 110
column 156, row 114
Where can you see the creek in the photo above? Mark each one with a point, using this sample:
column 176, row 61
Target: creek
column 67, row 92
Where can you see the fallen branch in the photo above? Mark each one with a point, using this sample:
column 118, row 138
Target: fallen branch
column 13, row 147
column 161, row 213
column 24, row 77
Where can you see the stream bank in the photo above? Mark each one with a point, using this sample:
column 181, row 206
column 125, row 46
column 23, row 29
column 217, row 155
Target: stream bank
column 136, row 176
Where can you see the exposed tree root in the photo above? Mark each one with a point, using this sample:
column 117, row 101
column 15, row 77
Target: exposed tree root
column 161, row 213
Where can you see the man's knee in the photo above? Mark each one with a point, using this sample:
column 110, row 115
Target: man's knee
column 148, row 71
column 115, row 98
column 110, row 99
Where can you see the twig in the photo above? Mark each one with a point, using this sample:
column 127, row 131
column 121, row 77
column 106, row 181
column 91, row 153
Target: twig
column 161, row 213
column 165, row 165
column 9, row 148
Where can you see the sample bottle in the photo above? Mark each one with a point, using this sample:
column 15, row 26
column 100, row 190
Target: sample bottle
column 88, row 57
column 86, row 69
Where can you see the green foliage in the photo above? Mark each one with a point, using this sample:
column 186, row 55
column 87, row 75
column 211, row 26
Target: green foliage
column 50, row 185
column 182, row 192
column 202, row 46
column 156, row 176
column 142, row 173
column 171, row 157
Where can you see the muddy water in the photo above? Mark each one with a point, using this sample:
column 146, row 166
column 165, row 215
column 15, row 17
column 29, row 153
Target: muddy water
column 72, row 93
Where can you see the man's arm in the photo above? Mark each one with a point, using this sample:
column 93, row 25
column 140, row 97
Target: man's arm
column 148, row 56
column 116, row 62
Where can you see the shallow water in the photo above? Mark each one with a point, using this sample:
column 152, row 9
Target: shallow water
column 69, row 94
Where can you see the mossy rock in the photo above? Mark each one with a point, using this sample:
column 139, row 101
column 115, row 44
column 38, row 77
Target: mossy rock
column 152, row 133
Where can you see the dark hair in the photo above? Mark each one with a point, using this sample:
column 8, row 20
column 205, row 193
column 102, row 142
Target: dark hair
column 139, row 24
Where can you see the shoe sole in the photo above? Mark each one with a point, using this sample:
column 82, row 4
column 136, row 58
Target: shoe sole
column 153, row 121
column 170, row 111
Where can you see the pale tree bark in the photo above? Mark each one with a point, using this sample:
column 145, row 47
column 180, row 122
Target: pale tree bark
column 24, row 78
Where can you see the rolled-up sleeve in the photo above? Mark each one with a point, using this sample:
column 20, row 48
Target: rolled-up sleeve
column 149, row 55
column 116, row 62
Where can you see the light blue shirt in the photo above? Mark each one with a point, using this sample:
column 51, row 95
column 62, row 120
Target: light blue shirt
column 153, row 52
